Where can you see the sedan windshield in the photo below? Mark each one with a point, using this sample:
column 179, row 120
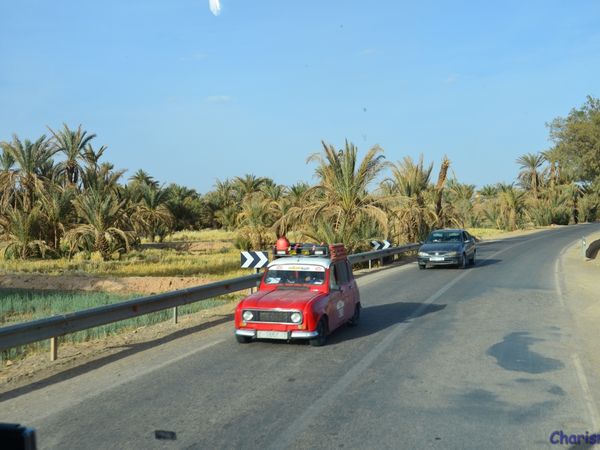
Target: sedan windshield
column 444, row 236
column 294, row 277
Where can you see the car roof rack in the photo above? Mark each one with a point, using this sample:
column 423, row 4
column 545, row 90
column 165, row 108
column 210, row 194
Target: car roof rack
column 332, row 251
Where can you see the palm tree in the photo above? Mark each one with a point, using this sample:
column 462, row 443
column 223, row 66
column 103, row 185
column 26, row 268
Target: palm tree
column 57, row 212
column 30, row 158
column 92, row 157
column 341, row 196
column 152, row 213
column 439, row 187
column 254, row 221
column 72, row 144
column 143, row 178
column 7, row 179
column 248, row 184
column 461, row 196
column 104, row 220
column 18, row 229
column 529, row 176
column 406, row 197
column 511, row 206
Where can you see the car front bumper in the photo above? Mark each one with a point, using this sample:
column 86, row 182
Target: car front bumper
column 447, row 261
column 294, row 334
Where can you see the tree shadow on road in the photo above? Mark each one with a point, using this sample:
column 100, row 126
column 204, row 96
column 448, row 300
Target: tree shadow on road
column 377, row 318
column 123, row 351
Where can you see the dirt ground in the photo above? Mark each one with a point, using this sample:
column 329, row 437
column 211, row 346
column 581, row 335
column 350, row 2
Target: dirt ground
column 123, row 285
column 581, row 276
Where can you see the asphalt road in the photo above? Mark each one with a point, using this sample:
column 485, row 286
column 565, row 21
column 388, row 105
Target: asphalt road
column 486, row 357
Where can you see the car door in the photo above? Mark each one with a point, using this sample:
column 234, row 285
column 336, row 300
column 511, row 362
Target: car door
column 469, row 244
column 335, row 305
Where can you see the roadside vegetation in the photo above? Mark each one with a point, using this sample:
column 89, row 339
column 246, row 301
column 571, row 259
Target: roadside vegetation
column 64, row 208
column 19, row 306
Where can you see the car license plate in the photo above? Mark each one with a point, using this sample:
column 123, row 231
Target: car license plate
column 436, row 258
column 260, row 334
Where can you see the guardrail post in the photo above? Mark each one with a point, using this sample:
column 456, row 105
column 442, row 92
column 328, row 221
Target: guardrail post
column 175, row 314
column 53, row 348
column 369, row 264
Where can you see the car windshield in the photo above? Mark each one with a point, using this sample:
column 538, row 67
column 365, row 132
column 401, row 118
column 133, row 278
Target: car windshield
column 295, row 277
column 444, row 236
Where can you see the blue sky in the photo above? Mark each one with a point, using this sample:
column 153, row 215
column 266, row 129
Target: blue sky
column 191, row 97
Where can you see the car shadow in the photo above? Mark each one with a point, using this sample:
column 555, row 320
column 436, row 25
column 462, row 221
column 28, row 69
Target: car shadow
column 377, row 318
column 124, row 352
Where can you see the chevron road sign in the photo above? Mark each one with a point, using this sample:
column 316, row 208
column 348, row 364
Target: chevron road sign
column 256, row 260
column 381, row 245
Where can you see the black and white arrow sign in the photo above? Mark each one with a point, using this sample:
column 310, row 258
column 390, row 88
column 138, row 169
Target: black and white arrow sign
column 381, row 245
column 256, row 260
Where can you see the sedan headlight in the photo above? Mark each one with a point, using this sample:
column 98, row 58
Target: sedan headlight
column 423, row 254
column 296, row 317
column 451, row 253
column 247, row 316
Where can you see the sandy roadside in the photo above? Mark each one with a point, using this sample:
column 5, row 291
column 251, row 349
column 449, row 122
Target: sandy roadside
column 582, row 293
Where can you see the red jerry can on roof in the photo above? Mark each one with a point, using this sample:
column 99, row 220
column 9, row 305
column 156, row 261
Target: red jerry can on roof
column 282, row 245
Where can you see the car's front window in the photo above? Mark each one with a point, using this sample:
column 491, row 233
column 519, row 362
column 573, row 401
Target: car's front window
column 294, row 276
column 446, row 236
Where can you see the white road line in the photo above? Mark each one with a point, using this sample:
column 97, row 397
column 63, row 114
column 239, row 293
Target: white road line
column 290, row 435
column 587, row 394
column 557, row 271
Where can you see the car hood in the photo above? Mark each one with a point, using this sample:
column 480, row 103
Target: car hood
column 281, row 298
column 441, row 247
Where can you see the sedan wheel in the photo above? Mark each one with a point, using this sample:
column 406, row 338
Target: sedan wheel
column 463, row 262
column 472, row 260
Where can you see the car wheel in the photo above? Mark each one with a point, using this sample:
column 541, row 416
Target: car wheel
column 463, row 262
column 243, row 339
column 355, row 319
column 472, row 260
column 322, row 337
column 422, row 266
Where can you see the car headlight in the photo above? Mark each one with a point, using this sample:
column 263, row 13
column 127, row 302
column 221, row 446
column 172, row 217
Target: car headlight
column 423, row 254
column 296, row 317
column 247, row 316
column 451, row 253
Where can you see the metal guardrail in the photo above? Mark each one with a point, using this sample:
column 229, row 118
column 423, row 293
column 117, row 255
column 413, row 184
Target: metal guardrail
column 52, row 327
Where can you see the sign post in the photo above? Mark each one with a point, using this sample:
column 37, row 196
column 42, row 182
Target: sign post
column 256, row 260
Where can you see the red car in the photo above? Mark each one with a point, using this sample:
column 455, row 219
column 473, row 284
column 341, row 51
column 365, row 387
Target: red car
column 303, row 295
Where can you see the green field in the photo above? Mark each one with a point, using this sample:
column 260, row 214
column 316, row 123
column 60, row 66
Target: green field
column 22, row 305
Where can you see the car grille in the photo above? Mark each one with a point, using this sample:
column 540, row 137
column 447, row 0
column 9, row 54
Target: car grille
column 271, row 316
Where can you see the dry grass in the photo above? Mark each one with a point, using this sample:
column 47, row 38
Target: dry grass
column 212, row 256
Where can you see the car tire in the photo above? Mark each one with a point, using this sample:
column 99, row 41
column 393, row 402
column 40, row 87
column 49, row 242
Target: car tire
column 463, row 262
column 422, row 266
column 243, row 339
column 355, row 319
column 321, row 339
column 472, row 260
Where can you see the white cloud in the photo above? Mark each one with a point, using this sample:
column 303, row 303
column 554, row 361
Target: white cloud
column 218, row 99
column 215, row 6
